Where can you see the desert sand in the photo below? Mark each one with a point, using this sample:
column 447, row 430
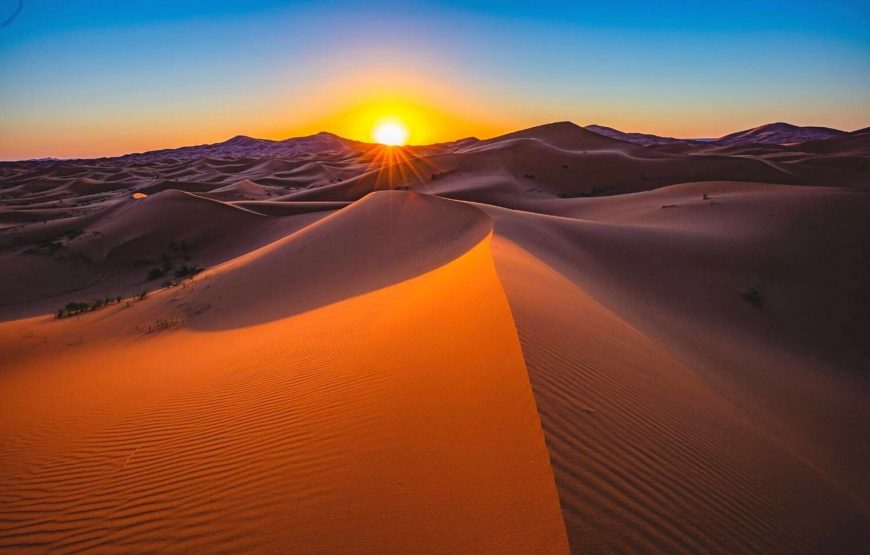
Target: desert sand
column 551, row 341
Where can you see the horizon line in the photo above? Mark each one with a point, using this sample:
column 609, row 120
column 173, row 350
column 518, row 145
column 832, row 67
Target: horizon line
column 325, row 132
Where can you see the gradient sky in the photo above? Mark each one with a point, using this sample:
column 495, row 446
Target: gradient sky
column 106, row 77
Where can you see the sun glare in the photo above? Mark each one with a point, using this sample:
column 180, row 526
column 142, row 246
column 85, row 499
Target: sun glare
column 390, row 132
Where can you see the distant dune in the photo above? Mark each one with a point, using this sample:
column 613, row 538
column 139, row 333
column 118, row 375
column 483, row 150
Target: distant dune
column 562, row 339
column 780, row 133
column 770, row 134
column 644, row 139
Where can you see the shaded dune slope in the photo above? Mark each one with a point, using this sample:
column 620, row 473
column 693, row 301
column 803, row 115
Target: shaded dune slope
column 777, row 407
column 111, row 252
column 695, row 256
column 647, row 456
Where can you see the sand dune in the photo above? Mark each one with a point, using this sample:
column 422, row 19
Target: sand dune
column 780, row 133
column 647, row 456
column 543, row 342
column 241, row 190
column 564, row 160
column 787, row 377
column 383, row 428
column 771, row 134
column 407, row 233
column 111, row 252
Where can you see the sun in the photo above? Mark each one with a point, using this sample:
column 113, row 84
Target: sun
column 390, row 132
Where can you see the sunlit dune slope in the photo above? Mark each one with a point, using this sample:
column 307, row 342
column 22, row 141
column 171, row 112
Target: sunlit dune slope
column 396, row 419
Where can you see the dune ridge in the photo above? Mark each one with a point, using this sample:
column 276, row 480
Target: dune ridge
column 356, row 424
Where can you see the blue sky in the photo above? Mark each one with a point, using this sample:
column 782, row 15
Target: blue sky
column 82, row 78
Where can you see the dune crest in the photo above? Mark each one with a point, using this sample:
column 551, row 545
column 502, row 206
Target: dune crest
column 406, row 235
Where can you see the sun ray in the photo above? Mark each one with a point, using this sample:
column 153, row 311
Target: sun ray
column 398, row 167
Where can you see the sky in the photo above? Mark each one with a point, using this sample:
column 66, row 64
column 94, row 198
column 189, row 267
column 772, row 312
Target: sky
column 85, row 78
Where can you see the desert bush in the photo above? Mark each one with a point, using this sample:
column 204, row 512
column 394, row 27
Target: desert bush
column 184, row 270
column 73, row 308
column 754, row 296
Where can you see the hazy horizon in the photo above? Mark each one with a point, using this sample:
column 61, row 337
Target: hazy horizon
column 374, row 142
